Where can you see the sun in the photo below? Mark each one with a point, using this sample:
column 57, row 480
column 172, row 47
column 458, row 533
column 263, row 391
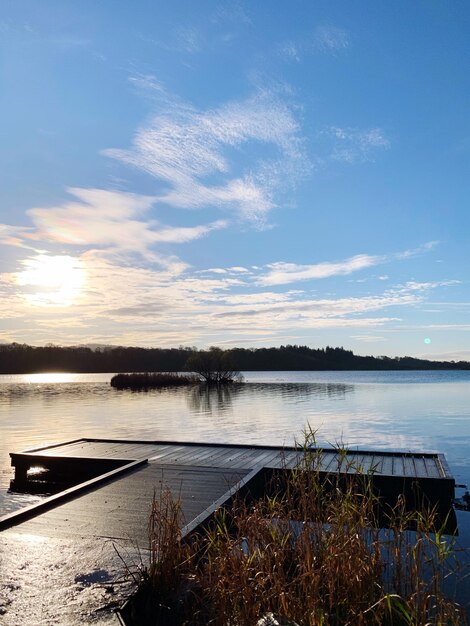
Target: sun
column 55, row 280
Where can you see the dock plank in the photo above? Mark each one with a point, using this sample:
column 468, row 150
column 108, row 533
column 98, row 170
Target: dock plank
column 431, row 469
column 122, row 507
column 408, row 467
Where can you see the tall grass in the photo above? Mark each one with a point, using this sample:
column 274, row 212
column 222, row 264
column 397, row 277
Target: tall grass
column 309, row 552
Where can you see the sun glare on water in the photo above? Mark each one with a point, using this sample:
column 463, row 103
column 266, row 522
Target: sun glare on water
column 49, row 378
column 52, row 280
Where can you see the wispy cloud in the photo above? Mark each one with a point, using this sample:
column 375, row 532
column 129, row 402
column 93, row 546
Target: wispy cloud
column 185, row 39
column 188, row 39
column 330, row 38
column 353, row 145
column 231, row 12
column 184, row 147
column 110, row 245
column 423, row 248
column 368, row 338
column 282, row 273
column 14, row 235
column 327, row 39
column 178, row 304
column 291, row 50
column 457, row 355
column 206, row 32
column 108, row 219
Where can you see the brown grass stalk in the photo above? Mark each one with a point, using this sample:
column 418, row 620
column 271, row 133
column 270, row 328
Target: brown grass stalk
column 310, row 553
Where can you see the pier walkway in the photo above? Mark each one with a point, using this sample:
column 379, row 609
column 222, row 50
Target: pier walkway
column 64, row 560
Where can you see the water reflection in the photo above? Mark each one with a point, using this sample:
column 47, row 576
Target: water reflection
column 217, row 400
column 305, row 390
column 210, row 399
column 49, row 377
column 33, row 391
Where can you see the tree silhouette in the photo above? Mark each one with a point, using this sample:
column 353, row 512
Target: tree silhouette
column 214, row 366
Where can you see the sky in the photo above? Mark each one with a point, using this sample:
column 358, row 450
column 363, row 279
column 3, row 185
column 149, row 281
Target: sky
column 236, row 174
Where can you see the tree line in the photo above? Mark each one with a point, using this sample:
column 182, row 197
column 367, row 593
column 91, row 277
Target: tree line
column 24, row 359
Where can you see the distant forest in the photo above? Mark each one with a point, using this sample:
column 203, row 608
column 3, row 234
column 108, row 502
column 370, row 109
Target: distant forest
column 23, row 359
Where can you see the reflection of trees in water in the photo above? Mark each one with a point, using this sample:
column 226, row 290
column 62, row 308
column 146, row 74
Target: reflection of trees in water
column 303, row 390
column 210, row 398
column 49, row 392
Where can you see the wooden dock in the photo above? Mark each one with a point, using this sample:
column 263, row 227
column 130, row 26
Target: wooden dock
column 115, row 481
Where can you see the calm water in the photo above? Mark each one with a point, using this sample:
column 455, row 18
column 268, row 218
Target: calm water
column 392, row 410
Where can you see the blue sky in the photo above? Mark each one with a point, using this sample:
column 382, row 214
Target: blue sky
column 236, row 173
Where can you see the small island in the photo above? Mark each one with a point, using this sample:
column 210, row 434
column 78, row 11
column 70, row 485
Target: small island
column 211, row 367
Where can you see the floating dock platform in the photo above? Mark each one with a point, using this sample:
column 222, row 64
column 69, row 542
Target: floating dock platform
column 105, row 487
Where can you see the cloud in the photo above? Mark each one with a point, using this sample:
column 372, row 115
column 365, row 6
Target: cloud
column 446, row 326
column 298, row 311
column 159, row 304
column 238, row 269
column 457, row 355
column 108, row 219
column 183, row 148
column 14, row 236
column 330, row 38
column 231, row 12
column 188, row 39
column 323, row 308
column 291, row 51
column 353, row 145
column 126, row 290
column 185, row 39
column 326, row 39
column 423, row 248
column 217, row 28
column 412, row 285
column 281, row 273
column 368, row 338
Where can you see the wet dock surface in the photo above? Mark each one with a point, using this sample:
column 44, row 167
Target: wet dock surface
column 65, row 560
column 62, row 566
column 83, row 454
column 119, row 510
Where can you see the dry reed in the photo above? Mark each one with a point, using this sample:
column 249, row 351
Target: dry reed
column 308, row 553
column 149, row 380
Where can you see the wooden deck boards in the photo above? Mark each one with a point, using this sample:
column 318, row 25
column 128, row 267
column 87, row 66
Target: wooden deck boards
column 398, row 464
column 121, row 508
column 393, row 473
column 101, row 450
column 45, row 558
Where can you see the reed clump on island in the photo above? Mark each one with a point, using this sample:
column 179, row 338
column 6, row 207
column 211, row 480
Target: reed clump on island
column 309, row 553
column 148, row 380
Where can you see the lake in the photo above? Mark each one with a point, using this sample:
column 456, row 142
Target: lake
column 380, row 410
column 418, row 411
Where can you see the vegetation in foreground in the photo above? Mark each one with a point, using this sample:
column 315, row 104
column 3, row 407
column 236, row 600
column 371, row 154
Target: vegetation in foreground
column 311, row 554
column 147, row 380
